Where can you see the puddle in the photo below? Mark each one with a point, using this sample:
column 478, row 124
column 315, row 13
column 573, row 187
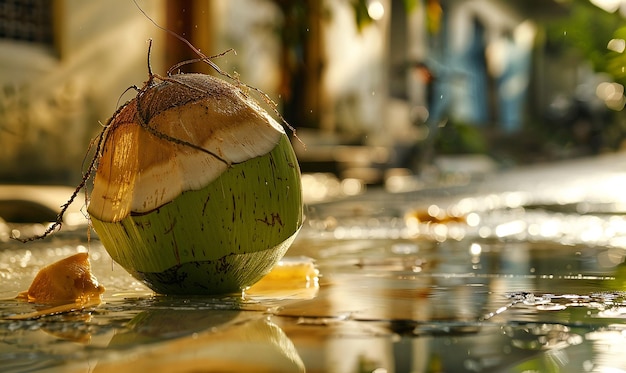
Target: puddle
column 495, row 282
column 391, row 304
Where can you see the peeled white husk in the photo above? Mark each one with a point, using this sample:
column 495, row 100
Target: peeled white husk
column 197, row 189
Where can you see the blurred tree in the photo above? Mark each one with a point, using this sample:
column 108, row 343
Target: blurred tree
column 587, row 30
column 301, row 60
column 302, row 57
column 616, row 58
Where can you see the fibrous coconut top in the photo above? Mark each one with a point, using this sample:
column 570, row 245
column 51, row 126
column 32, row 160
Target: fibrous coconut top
column 177, row 135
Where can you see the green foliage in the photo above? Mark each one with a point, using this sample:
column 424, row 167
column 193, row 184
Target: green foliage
column 587, row 31
column 410, row 5
column 460, row 138
column 361, row 15
column 616, row 61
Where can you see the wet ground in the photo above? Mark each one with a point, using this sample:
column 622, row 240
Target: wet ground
column 520, row 272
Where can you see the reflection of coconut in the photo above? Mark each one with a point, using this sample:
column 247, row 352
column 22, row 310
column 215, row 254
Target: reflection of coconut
column 197, row 189
column 255, row 345
column 161, row 324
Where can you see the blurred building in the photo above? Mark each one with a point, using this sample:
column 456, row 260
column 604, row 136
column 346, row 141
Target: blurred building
column 363, row 81
column 64, row 66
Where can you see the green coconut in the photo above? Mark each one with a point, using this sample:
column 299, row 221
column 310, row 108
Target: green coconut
column 197, row 189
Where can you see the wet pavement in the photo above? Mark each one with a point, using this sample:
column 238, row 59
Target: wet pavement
column 522, row 271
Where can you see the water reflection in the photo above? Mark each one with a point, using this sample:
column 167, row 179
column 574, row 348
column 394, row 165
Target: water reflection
column 436, row 280
column 201, row 339
column 386, row 304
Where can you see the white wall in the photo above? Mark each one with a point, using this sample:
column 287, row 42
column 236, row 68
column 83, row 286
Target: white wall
column 52, row 100
column 355, row 78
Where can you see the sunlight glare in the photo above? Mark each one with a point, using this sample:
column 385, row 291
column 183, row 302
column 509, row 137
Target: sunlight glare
column 376, row 10
column 607, row 5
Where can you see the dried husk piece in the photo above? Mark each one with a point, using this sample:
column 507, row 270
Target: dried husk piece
column 63, row 286
column 68, row 280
